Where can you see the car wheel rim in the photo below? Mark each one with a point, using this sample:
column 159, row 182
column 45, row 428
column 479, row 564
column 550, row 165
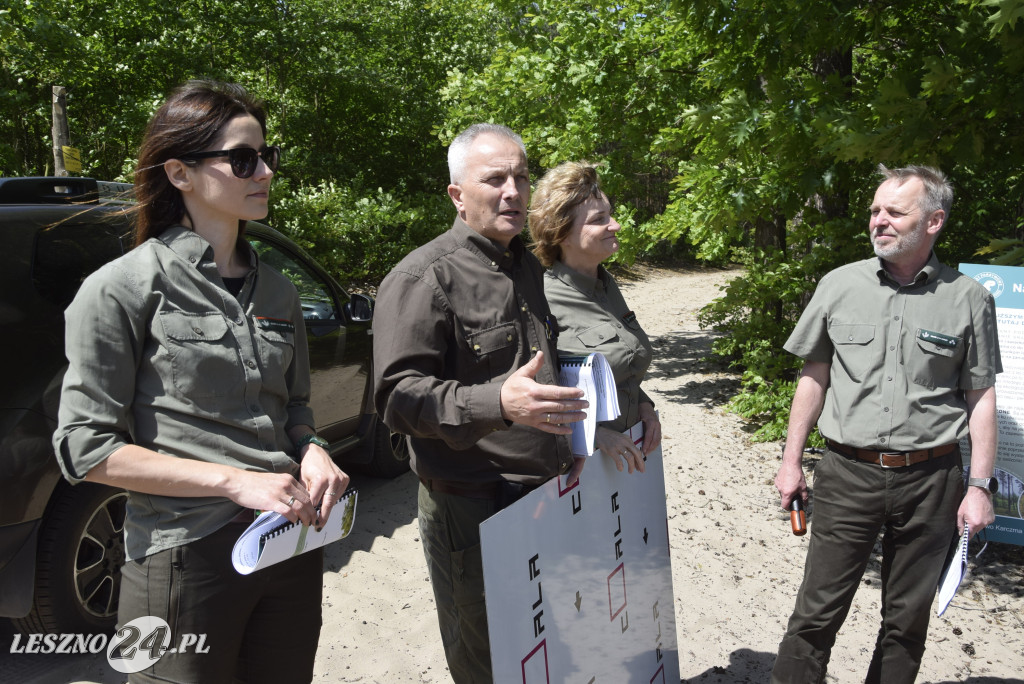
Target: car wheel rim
column 100, row 557
column 399, row 446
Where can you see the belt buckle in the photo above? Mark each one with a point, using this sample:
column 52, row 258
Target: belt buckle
column 904, row 454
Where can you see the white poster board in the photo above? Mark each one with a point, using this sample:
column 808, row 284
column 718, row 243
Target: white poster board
column 1006, row 283
column 578, row 581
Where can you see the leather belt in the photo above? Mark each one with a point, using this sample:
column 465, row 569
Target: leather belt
column 897, row 459
column 469, row 490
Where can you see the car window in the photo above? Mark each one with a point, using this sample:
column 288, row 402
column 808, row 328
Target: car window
column 317, row 303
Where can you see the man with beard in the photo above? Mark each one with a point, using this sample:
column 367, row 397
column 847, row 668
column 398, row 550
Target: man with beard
column 901, row 357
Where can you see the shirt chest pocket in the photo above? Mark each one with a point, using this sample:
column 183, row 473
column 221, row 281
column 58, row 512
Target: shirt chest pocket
column 932, row 363
column 598, row 335
column 854, row 348
column 276, row 347
column 495, row 350
column 204, row 361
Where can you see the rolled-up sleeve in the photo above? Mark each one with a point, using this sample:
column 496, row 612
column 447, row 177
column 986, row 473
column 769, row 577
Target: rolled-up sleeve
column 104, row 338
column 416, row 389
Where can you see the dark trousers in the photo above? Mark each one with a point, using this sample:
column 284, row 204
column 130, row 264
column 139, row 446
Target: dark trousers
column 915, row 507
column 450, row 530
column 262, row 627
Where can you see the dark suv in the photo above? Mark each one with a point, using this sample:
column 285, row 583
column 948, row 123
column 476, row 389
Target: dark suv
column 61, row 547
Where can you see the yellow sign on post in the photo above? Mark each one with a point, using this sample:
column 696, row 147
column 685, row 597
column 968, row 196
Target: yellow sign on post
column 72, row 159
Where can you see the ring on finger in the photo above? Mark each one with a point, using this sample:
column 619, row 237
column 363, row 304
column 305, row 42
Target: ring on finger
column 547, row 417
column 334, row 494
column 291, row 501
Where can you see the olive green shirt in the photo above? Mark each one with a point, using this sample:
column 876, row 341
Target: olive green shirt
column 901, row 356
column 162, row 355
column 451, row 323
column 592, row 316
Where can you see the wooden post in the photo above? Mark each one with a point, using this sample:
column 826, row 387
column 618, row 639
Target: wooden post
column 61, row 133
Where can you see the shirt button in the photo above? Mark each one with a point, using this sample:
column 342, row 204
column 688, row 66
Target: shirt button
column 508, row 337
column 850, row 338
column 882, row 440
column 476, row 347
column 494, row 263
column 197, row 331
column 889, row 378
column 238, row 321
column 533, row 348
column 896, row 318
column 600, row 337
column 886, row 409
column 892, row 348
column 192, row 260
column 250, row 364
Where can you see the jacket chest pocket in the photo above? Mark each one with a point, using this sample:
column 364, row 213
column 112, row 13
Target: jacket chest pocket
column 204, row 361
column 495, row 350
column 854, row 348
column 934, row 364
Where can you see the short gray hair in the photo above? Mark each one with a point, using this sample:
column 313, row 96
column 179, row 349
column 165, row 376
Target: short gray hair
column 938, row 192
column 460, row 146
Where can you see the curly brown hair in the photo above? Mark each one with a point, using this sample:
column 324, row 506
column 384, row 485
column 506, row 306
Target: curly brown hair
column 553, row 206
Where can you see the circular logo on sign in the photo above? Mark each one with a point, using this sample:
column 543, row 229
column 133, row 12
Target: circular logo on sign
column 138, row 644
column 991, row 282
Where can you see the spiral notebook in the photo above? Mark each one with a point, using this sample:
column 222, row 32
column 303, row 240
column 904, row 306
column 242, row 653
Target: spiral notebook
column 593, row 375
column 271, row 538
column 953, row 570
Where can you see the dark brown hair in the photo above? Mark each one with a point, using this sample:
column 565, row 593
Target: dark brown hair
column 553, row 206
column 189, row 121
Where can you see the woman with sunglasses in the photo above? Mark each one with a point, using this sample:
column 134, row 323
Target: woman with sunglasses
column 188, row 386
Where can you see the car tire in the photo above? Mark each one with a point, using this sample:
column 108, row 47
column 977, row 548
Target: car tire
column 79, row 558
column 390, row 453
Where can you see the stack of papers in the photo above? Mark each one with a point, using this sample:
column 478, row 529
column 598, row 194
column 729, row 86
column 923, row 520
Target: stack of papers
column 271, row 538
column 953, row 570
column 593, row 375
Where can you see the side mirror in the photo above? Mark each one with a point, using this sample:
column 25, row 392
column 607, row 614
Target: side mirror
column 360, row 308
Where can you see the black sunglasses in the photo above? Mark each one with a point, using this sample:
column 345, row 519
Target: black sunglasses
column 243, row 159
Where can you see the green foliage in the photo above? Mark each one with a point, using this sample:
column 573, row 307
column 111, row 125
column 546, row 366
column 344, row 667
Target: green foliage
column 360, row 238
column 583, row 82
column 740, row 131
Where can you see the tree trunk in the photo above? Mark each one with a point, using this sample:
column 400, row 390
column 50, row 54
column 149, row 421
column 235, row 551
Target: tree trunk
column 61, row 134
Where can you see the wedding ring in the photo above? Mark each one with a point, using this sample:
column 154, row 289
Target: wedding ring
column 334, row 494
column 291, row 501
column 547, row 417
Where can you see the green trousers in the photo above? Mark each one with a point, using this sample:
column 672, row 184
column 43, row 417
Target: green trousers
column 915, row 509
column 262, row 627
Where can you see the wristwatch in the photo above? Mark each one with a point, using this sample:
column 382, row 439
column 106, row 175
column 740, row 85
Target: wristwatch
column 311, row 438
column 989, row 483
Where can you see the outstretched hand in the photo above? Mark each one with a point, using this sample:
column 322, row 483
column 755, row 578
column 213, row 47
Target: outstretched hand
column 546, row 407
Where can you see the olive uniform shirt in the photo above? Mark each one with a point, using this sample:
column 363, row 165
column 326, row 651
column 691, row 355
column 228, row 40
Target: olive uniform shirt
column 593, row 317
column 162, row 356
column 901, row 356
column 452, row 321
